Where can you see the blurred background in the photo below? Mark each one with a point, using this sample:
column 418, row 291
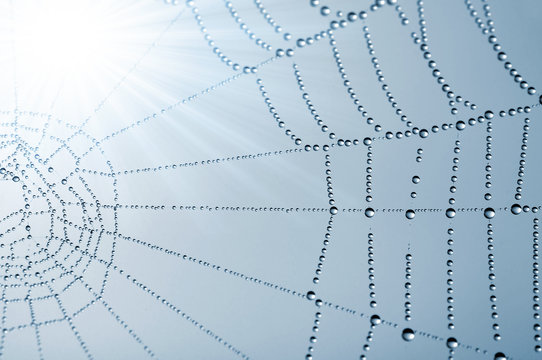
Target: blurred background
column 270, row 179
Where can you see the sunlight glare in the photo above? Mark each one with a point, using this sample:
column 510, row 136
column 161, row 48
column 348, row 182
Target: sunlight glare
column 62, row 36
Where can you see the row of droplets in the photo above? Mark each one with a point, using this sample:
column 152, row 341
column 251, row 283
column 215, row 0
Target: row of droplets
column 450, row 243
column 536, row 290
column 488, row 29
column 522, row 155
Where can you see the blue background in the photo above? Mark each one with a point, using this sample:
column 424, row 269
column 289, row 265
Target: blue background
column 224, row 216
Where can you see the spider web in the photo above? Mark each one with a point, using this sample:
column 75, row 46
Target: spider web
column 273, row 180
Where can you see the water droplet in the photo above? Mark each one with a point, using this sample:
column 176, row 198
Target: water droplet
column 311, row 295
column 516, row 209
column 15, row 179
column 410, row 214
column 352, row 16
column 416, row 179
column 408, row 334
column 369, row 212
column 489, row 213
column 333, row 210
column 452, row 343
column 375, row 320
column 450, row 213
column 500, row 356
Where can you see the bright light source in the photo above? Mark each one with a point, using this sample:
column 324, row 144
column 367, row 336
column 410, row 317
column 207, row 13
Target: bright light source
column 70, row 55
column 62, row 36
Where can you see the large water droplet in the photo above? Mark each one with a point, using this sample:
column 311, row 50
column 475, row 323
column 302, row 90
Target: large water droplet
column 410, row 214
column 489, row 213
column 452, row 343
column 488, row 114
column 408, row 334
column 450, row 213
column 516, row 209
column 369, row 212
column 375, row 320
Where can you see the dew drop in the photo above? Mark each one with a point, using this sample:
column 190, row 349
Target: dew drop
column 450, row 213
column 489, row 213
column 408, row 334
column 376, row 320
column 333, row 210
column 452, row 343
column 410, row 214
column 516, row 209
column 369, row 212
